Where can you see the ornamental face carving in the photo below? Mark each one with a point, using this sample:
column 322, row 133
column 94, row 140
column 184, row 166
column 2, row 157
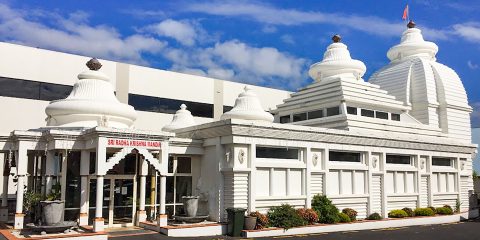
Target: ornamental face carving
column 422, row 164
column 374, row 162
column 241, row 156
column 315, row 159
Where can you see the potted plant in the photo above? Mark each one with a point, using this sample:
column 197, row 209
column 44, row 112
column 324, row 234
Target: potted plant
column 250, row 222
column 30, row 203
column 190, row 204
column 52, row 207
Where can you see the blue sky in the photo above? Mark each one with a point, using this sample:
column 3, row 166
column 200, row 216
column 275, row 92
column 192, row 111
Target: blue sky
column 268, row 43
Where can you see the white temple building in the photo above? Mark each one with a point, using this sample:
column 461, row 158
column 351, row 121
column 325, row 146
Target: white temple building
column 402, row 139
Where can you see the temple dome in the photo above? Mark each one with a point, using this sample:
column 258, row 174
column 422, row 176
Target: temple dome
column 182, row 118
column 337, row 62
column 247, row 106
column 91, row 103
column 434, row 91
column 412, row 44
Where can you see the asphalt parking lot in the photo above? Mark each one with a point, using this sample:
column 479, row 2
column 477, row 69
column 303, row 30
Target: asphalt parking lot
column 456, row 231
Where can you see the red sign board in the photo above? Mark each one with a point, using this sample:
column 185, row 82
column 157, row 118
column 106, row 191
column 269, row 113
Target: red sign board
column 133, row 143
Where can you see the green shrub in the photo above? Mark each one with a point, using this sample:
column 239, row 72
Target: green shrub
column 458, row 205
column 327, row 212
column 409, row 212
column 433, row 209
column 351, row 213
column 424, row 212
column 309, row 215
column 448, row 206
column 397, row 213
column 344, row 218
column 374, row 216
column 262, row 220
column 285, row 216
column 444, row 211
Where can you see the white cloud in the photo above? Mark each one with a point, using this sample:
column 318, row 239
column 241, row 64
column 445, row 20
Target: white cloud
column 469, row 31
column 269, row 29
column 182, row 31
column 236, row 60
column 472, row 65
column 75, row 36
column 272, row 16
column 286, row 38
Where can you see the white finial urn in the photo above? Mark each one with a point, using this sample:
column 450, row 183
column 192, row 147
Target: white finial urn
column 182, row 118
column 248, row 107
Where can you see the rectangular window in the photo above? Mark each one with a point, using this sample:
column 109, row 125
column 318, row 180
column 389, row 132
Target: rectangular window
column 381, row 115
column 367, row 113
column 299, row 117
column 395, row 117
column 166, row 105
column 333, row 111
column 398, row 159
column 344, row 156
column 352, row 110
column 277, row 153
column 315, row 114
column 50, row 92
column 445, row 162
column 285, row 119
column 184, row 165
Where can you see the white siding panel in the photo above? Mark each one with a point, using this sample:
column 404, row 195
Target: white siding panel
column 316, row 184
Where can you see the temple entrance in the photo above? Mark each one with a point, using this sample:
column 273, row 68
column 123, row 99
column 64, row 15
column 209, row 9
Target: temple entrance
column 119, row 202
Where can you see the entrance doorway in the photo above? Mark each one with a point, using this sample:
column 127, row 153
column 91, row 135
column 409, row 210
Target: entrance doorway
column 119, row 201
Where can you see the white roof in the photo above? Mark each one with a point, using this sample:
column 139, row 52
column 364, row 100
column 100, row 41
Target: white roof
column 91, row 103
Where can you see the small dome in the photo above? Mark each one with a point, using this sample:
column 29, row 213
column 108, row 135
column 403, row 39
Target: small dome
column 248, row 107
column 91, row 103
column 412, row 44
column 182, row 118
column 337, row 61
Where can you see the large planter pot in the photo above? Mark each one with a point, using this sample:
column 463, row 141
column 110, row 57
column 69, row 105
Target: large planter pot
column 190, row 204
column 52, row 212
column 250, row 223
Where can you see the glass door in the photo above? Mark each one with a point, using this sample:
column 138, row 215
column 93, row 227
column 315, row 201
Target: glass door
column 123, row 202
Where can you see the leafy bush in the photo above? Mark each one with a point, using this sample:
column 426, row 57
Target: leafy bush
column 344, row 218
column 327, row 212
column 409, row 212
column 374, row 216
column 285, row 216
column 433, row 209
column 309, row 215
column 397, row 213
column 458, row 205
column 444, row 211
column 447, row 206
column 262, row 220
column 424, row 212
column 351, row 213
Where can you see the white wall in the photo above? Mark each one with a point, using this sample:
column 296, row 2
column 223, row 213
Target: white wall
column 476, row 140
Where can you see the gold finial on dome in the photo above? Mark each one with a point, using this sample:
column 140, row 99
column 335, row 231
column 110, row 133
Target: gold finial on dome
column 93, row 64
column 411, row 24
column 336, row 38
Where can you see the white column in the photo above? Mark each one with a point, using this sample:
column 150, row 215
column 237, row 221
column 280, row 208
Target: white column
column 162, row 217
column 251, row 181
column 141, row 213
column 49, row 171
column 98, row 222
column 84, row 172
column 22, row 164
column 63, row 174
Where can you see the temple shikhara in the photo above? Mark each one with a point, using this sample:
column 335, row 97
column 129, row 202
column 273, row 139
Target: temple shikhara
column 125, row 149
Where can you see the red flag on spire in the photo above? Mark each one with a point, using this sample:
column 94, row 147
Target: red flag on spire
column 405, row 13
